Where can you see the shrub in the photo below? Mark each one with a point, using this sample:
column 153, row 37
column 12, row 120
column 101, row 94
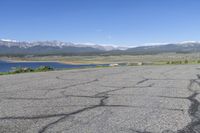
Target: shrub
column 176, row 62
column 186, row 61
column 44, row 68
column 26, row 69
column 22, row 70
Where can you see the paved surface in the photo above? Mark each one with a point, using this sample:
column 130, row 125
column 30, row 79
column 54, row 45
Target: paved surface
column 146, row 99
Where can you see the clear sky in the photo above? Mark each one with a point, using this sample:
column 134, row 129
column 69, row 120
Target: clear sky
column 118, row 22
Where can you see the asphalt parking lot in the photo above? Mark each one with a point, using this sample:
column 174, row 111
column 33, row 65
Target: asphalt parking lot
column 143, row 99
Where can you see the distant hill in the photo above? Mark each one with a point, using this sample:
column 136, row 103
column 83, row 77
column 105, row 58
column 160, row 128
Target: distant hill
column 21, row 48
column 185, row 47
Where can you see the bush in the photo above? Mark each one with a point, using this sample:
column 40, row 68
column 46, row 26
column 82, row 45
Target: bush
column 176, row 62
column 22, row 70
column 44, row 68
column 186, row 61
column 26, row 69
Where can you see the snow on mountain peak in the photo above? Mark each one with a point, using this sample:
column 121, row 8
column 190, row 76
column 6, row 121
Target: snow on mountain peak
column 187, row 42
column 8, row 40
column 60, row 44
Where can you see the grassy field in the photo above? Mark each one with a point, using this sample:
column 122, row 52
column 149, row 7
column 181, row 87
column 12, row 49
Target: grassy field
column 169, row 58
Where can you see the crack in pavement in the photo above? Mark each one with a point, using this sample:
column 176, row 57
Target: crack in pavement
column 102, row 95
column 43, row 129
column 132, row 86
column 193, row 109
column 142, row 81
column 62, row 88
column 73, row 85
column 137, row 131
column 167, row 71
column 83, row 83
column 172, row 97
column 102, row 102
column 50, row 98
column 126, row 87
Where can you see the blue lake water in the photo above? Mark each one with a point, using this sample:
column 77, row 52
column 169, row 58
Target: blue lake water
column 8, row 66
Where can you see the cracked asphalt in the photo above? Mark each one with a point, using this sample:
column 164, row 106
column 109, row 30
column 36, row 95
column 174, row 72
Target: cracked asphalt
column 143, row 99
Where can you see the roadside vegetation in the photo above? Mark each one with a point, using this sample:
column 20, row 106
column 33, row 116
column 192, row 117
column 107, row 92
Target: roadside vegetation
column 171, row 58
column 26, row 70
column 183, row 62
column 42, row 69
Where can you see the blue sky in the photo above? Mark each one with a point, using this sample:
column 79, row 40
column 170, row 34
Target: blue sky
column 117, row 22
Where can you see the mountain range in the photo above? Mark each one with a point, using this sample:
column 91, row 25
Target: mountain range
column 183, row 47
column 13, row 47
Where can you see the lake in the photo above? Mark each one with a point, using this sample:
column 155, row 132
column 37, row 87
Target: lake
column 6, row 66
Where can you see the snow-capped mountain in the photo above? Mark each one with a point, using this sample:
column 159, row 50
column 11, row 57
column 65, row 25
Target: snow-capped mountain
column 24, row 44
column 8, row 46
column 13, row 47
column 8, row 40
